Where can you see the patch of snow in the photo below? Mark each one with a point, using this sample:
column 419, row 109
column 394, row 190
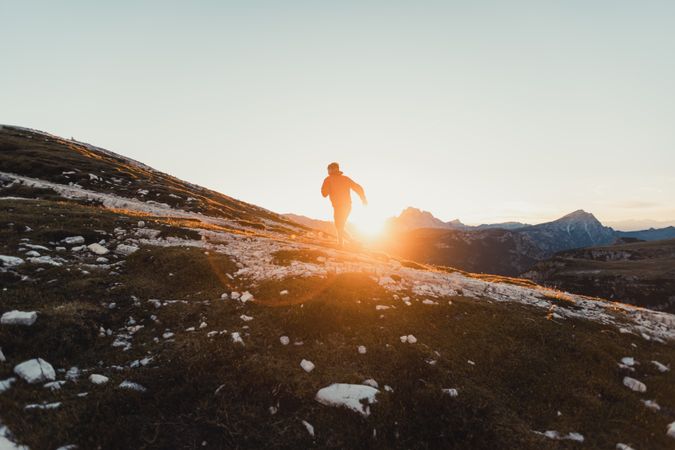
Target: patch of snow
column 15, row 317
column 356, row 397
column 45, row 260
column 45, row 405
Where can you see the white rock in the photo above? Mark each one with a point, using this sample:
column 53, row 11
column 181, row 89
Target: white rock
column 54, row 385
column 451, row 392
column 54, row 405
column 621, row 446
column 426, row 301
column 362, row 349
column 202, row 325
column 628, row 361
column 308, row 427
column 651, row 404
column 32, row 253
column 348, row 395
column 411, row 339
column 561, row 437
column 102, row 260
column 284, row 292
column 98, row 379
column 35, row 371
column 19, row 318
column 45, row 260
column 98, row 249
column 381, row 307
column 168, row 335
column 2, row 356
column 126, row 250
column 236, row 338
column 633, row 384
column 73, row 374
column 246, row 297
column 371, row 382
column 224, row 296
column 10, row 261
column 246, row 318
column 661, row 367
column 73, row 240
column 307, row 366
column 6, row 384
column 284, row 340
column 132, row 386
column 671, row 430
column 235, row 295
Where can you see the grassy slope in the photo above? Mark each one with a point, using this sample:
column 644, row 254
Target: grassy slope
column 527, row 368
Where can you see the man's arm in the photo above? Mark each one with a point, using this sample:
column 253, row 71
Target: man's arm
column 324, row 188
column 359, row 190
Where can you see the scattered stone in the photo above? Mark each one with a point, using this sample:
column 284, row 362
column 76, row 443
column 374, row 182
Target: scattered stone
column 361, row 349
column 307, row 366
column 224, row 296
column 652, row 405
column 126, row 384
column 634, row 385
column 410, row 339
column 671, row 430
column 73, row 374
column 54, row 385
column 54, row 405
column 10, row 261
column 98, row 379
column 284, row 292
column 35, row 371
column 451, row 392
column 98, row 249
column 246, row 318
column 15, row 317
column 236, row 338
column 661, row 367
column 246, row 297
column 309, row 427
column 562, row 437
column 284, row 340
column 73, row 240
column 6, row 384
column 371, row 382
column 125, row 250
column 628, row 361
column 356, row 397
column 426, row 301
column 168, row 335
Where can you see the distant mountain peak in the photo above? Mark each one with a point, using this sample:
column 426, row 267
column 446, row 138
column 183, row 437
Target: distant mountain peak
column 579, row 216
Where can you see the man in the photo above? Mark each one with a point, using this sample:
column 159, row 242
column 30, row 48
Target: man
column 338, row 187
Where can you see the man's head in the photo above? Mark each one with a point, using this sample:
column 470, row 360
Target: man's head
column 333, row 168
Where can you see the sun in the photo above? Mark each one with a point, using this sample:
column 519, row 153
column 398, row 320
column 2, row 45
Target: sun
column 367, row 223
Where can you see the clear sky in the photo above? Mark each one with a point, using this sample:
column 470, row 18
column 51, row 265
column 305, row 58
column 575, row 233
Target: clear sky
column 482, row 111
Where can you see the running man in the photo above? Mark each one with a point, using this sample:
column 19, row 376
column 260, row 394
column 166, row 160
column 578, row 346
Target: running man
column 338, row 186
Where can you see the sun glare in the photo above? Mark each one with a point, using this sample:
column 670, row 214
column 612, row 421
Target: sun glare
column 367, row 223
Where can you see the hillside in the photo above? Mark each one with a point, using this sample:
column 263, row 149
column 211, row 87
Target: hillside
column 171, row 316
column 641, row 273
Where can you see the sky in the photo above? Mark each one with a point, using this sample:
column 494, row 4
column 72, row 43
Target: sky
column 486, row 111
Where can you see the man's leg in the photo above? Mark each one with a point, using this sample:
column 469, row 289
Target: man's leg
column 340, row 215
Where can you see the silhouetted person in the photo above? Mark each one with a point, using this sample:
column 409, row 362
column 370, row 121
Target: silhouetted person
column 338, row 186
